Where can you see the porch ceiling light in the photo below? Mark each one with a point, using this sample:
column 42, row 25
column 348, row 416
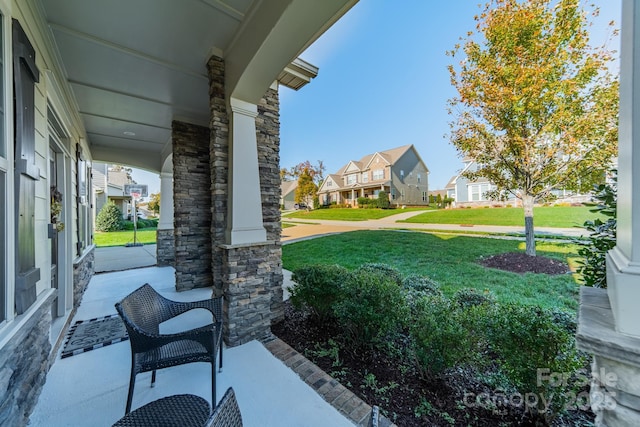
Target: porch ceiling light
column 129, row 133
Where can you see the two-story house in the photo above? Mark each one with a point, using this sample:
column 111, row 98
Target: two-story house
column 108, row 186
column 400, row 172
column 466, row 192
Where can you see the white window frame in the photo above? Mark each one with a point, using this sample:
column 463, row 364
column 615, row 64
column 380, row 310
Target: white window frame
column 352, row 179
column 365, row 176
column 378, row 174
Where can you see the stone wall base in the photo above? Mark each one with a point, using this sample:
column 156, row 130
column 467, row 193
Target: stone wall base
column 83, row 271
column 165, row 248
column 252, row 283
column 615, row 386
column 24, row 362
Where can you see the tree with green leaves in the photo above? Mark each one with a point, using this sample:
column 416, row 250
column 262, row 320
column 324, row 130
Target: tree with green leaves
column 109, row 218
column 537, row 106
column 306, row 189
column 154, row 203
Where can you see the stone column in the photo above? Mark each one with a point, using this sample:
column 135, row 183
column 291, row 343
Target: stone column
column 165, row 249
column 192, row 206
column 609, row 320
column 245, row 228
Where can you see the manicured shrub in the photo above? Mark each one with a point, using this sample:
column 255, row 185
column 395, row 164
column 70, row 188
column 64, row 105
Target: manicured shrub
column 371, row 307
column 443, row 335
column 416, row 288
column 528, row 341
column 383, row 200
column 422, row 284
column 109, row 218
column 317, row 288
column 467, row 297
column 385, row 269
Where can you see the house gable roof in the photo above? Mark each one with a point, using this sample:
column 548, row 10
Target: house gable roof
column 335, row 180
column 287, row 187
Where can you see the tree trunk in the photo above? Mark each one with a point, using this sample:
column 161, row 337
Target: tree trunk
column 527, row 203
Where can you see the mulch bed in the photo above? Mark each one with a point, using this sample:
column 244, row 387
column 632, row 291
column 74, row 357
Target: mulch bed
column 385, row 378
column 519, row 262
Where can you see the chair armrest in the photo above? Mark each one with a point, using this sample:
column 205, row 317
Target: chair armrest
column 214, row 305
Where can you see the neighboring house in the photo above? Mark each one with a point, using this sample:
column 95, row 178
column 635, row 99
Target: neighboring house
column 108, row 186
column 400, row 172
column 474, row 193
column 189, row 90
column 288, row 194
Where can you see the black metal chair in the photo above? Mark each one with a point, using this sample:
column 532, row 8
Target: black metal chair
column 143, row 311
column 227, row 412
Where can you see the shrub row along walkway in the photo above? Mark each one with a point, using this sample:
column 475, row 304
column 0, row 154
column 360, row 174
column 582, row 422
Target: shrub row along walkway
column 305, row 228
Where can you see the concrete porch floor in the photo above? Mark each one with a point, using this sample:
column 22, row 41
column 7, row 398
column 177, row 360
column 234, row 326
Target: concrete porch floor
column 90, row 389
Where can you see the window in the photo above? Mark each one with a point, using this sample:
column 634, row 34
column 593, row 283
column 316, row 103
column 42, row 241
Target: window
column 365, row 176
column 401, row 174
column 329, row 183
column 378, row 174
column 424, row 196
column 419, row 178
column 477, row 192
column 393, row 194
column 351, row 179
column 402, row 194
column 376, row 193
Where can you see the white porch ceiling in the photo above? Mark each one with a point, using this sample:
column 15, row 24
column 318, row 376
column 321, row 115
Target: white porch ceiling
column 135, row 65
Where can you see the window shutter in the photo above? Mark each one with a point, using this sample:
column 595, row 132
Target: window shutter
column 25, row 75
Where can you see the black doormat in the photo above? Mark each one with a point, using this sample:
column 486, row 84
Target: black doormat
column 86, row 335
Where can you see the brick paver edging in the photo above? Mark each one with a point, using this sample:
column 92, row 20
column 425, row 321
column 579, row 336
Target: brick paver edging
column 341, row 398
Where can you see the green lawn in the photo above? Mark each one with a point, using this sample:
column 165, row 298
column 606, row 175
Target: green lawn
column 551, row 216
column 348, row 214
column 121, row 238
column 450, row 260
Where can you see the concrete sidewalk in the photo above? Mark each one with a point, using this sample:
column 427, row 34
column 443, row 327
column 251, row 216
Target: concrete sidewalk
column 119, row 258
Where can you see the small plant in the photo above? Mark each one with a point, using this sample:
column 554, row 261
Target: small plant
column 109, row 218
column 371, row 307
column 442, row 335
column 527, row 339
column 424, row 408
column 317, row 288
column 332, row 351
column 602, row 236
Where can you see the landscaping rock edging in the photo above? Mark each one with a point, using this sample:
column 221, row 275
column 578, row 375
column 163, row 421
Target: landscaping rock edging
column 341, row 398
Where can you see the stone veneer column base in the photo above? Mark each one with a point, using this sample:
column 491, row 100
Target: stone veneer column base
column 83, row 271
column 252, row 283
column 615, row 388
column 24, row 362
column 165, row 248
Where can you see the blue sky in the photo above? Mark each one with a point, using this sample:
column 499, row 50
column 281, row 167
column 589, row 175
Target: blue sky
column 383, row 83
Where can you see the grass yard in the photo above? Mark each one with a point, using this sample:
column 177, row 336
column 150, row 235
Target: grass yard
column 543, row 216
column 449, row 260
column 348, row 214
column 120, row 238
